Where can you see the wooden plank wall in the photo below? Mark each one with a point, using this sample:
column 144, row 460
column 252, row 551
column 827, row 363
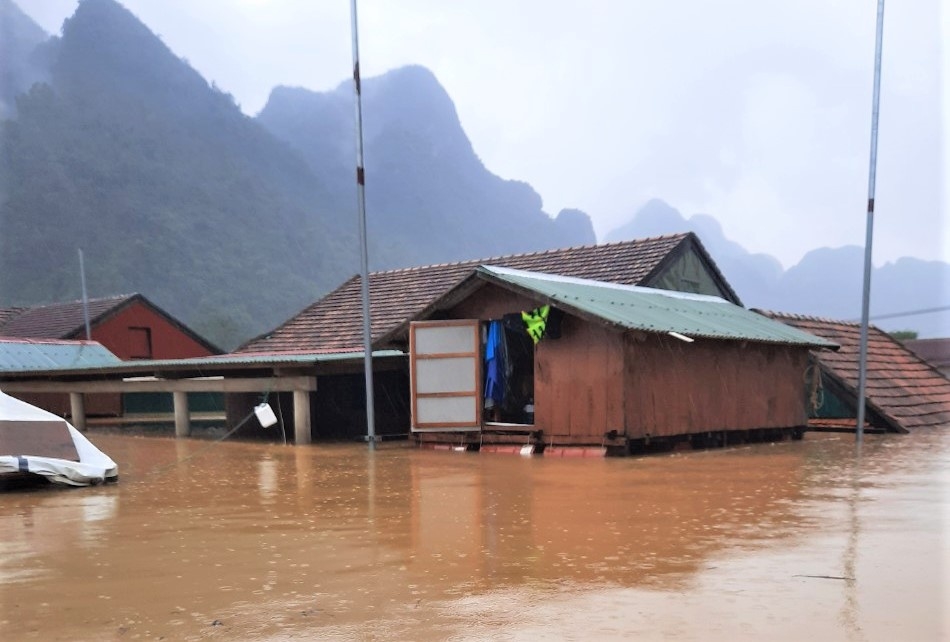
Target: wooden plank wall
column 676, row 388
column 490, row 302
column 578, row 383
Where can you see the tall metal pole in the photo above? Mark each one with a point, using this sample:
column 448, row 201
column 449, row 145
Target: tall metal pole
column 85, row 299
column 364, row 260
column 872, row 176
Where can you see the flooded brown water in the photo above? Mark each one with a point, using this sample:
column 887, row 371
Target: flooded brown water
column 792, row 541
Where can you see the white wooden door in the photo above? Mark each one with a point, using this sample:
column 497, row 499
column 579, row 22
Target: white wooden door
column 445, row 375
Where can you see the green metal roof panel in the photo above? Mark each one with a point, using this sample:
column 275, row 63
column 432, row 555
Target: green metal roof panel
column 658, row 311
column 27, row 355
column 236, row 360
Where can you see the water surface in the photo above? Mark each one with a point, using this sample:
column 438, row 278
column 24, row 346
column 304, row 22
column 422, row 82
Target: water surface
column 238, row 541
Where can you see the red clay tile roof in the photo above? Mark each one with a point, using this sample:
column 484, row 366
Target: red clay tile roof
column 58, row 320
column 335, row 321
column 901, row 387
column 8, row 313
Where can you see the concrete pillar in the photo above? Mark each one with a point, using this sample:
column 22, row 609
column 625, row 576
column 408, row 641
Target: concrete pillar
column 182, row 418
column 77, row 408
column 301, row 417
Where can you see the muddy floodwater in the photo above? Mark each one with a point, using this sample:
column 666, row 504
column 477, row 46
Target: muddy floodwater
column 237, row 541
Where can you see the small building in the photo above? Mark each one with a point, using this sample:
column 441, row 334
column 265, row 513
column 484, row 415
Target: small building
column 129, row 326
column 902, row 393
column 517, row 359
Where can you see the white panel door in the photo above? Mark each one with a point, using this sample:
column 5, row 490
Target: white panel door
column 445, row 375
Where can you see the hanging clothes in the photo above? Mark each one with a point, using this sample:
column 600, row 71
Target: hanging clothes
column 496, row 365
column 535, row 321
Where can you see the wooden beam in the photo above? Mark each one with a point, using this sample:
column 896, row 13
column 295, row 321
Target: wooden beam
column 260, row 384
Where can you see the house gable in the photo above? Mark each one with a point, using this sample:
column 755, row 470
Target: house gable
column 690, row 269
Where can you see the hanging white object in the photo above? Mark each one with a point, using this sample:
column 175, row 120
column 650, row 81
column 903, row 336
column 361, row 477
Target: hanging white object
column 265, row 415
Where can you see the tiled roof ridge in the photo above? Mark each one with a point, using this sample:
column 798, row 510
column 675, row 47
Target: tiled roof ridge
column 806, row 317
column 279, row 353
column 100, row 299
column 548, row 252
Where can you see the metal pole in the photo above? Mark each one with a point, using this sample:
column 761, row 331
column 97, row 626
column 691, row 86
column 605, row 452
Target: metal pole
column 85, row 299
column 364, row 260
column 872, row 176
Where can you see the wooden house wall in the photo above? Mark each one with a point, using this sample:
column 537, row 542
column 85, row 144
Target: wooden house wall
column 490, row 302
column 578, row 383
column 675, row 388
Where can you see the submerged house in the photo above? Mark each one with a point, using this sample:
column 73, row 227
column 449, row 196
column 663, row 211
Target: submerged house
column 903, row 392
column 616, row 366
column 334, row 323
column 517, row 359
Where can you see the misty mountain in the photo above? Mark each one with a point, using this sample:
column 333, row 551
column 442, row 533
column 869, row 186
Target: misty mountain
column 751, row 275
column 21, row 59
column 827, row 282
column 127, row 152
column 423, row 178
column 168, row 188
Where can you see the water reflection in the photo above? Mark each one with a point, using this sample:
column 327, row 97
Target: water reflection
column 272, row 539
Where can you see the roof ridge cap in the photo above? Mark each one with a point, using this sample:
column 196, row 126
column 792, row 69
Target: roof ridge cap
column 545, row 252
column 805, row 317
column 114, row 297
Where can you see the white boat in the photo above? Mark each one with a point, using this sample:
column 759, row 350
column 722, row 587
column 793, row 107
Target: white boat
column 36, row 442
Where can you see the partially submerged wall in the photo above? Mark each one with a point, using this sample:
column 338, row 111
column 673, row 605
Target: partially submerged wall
column 676, row 388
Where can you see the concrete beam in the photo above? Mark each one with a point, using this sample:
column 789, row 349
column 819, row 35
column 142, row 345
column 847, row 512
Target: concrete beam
column 301, row 417
column 259, row 384
column 77, row 410
column 182, row 418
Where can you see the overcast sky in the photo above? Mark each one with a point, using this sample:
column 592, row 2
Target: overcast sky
column 754, row 111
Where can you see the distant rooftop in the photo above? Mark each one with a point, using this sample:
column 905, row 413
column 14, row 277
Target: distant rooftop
column 902, row 388
column 936, row 352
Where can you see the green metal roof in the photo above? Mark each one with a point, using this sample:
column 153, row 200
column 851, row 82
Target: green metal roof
column 27, row 355
column 236, row 361
column 657, row 311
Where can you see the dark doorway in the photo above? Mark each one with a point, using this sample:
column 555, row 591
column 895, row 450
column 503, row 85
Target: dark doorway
column 509, row 374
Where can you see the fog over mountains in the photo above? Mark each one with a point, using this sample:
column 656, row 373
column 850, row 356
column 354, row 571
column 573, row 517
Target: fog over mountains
column 111, row 142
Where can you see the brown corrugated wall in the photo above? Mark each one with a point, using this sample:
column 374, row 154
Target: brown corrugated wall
column 578, row 383
column 676, row 388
